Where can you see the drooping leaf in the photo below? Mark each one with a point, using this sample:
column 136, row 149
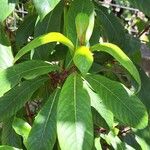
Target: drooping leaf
column 29, row 69
column 6, row 7
column 25, row 30
column 83, row 59
column 6, row 147
column 126, row 107
column 51, row 23
column 78, row 6
column 22, row 128
column 74, row 119
column 6, row 56
column 121, row 57
column 141, row 5
column 44, row 128
column 97, row 103
column 44, row 39
column 45, row 6
column 13, row 100
column 9, row 136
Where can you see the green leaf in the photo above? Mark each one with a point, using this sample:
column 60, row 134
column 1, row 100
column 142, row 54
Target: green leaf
column 82, row 22
column 141, row 5
column 9, row 136
column 126, row 107
column 22, row 128
column 51, row 23
column 97, row 103
column 25, row 30
column 6, row 147
column 77, row 6
column 44, row 39
column 45, row 6
column 6, row 56
column 83, row 59
column 44, row 128
column 110, row 25
column 98, row 144
column 28, row 69
column 121, row 57
column 144, row 93
column 74, row 119
column 13, row 100
column 6, row 7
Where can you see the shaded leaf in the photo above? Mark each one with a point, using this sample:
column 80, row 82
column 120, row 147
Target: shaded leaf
column 25, row 30
column 126, row 107
column 74, row 119
column 51, row 23
column 141, row 5
column 9, row 136
column 110, row 26
column 13, row 100
column 28, row 69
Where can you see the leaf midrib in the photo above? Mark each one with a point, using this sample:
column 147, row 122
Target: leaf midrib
column 116, row 97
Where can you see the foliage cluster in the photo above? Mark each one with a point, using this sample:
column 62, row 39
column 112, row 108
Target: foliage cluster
column 70, row 76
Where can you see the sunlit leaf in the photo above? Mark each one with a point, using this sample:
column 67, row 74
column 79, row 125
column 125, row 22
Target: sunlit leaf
column 121, row 57
column 45, row 6
column 44, row 39
column 74, row 119
column 44, row 126
column 83, row 59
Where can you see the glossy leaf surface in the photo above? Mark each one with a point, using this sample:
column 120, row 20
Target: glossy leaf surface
column 44, row 39
column 44, row 127
column 83, row 59
column 121, row 57
column 45, row 6
column 125, row 107
column 22, row 128
column 74, row 119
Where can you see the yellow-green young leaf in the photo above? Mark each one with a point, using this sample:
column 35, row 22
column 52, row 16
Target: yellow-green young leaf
column 121, row 57
column 44, row 39
column 6, row 147
column 21, row 128
column 74, row 118
column 82, row 22
column 83, row 59
column 125, row 106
